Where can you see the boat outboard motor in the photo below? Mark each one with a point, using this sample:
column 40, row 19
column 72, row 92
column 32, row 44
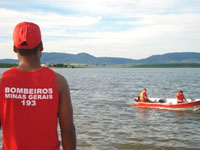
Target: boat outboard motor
column 161, row 100
column 137, row 99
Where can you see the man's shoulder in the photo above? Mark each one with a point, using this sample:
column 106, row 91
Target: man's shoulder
column 6, row 71
column 59, row 77
column 9, row 70
column 61, row 82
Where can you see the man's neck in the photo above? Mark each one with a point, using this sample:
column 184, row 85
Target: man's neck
column 29, row 63
column 28, row 68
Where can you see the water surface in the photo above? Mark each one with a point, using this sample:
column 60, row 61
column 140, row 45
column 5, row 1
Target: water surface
column 105, row 118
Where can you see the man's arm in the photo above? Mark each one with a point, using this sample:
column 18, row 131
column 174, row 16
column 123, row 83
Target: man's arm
column 184, row 99
column 145, row 95
column 65, row 115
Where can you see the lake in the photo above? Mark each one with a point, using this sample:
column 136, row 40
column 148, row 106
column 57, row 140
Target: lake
column 105, row 118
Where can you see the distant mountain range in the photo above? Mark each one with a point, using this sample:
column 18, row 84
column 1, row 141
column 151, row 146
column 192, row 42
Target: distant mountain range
column 84, row 58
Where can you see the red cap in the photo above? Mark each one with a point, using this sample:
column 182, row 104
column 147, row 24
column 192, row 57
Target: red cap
column 26, row 35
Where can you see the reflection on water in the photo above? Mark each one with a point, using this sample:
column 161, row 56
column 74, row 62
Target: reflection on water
column 143, row 113
column 106, row 119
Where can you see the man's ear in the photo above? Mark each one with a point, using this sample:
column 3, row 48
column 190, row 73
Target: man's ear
column 14, row 49
column 41, row 46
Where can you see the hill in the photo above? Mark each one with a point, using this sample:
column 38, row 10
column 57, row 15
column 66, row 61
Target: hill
column 84, row 58
column 169, row 58
column 9, row 61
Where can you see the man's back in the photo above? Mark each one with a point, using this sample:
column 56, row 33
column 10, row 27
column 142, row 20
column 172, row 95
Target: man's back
column 29, row 104
column 33, row 98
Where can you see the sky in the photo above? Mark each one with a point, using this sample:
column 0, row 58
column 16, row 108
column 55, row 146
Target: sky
column 133, row 29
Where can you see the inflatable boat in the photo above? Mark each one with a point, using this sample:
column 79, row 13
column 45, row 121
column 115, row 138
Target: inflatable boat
column 170, row 104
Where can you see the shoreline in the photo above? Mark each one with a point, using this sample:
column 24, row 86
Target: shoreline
column 71, row 65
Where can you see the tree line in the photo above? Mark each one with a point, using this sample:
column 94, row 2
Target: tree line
column 7, row 65
column 181, row 65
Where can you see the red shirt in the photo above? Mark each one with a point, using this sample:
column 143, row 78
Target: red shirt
column 180, row 96
column 28, row 110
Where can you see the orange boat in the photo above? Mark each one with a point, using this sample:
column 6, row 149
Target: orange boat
column 170, row 104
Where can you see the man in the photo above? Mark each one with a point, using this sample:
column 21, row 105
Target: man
column 143, row 96
column 34, row 98
column 180, row 97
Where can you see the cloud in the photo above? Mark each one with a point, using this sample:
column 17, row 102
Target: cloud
column 126, row 28
column 7, row 50
column 53, row 25
column 125, row 8
column 154, row 34
column 47, row 20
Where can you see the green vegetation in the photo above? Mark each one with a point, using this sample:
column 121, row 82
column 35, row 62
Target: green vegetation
column 181, row 65
column 7, row 65
column 68, row 65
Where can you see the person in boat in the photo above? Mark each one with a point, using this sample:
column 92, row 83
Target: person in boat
column 180, row 97
column 34, row 98
column 143, row 96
